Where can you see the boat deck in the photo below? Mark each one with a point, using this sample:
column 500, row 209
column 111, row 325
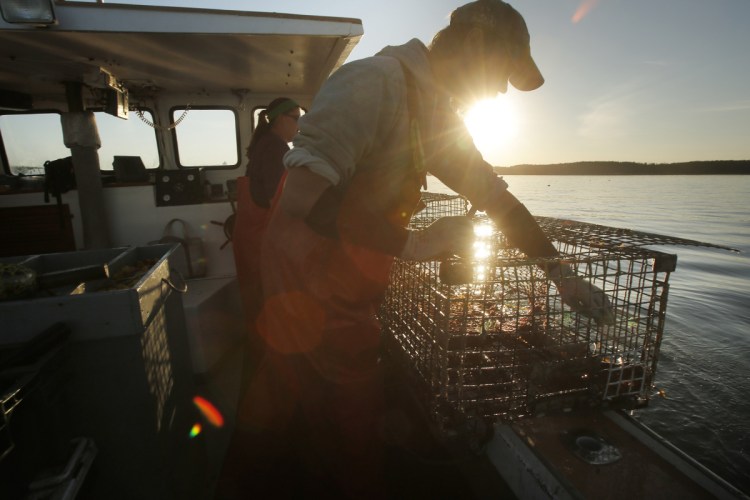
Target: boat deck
column 551, row 452
column 417, row 464
column 601, row 454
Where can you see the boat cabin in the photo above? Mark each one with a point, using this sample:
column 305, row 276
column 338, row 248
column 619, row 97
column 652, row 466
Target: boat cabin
column 115, row 120
column 172, row 91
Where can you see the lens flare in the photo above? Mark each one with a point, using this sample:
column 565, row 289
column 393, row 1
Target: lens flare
column 584, row 9
column 209, row 411
column 195, row 430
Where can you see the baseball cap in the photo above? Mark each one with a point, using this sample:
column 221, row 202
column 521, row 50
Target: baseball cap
column 504, row 21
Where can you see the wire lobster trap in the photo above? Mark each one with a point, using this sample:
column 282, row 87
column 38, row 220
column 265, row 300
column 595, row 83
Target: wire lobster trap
column 490, row 338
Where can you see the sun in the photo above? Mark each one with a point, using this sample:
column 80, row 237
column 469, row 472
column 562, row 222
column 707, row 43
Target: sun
column 492, row 123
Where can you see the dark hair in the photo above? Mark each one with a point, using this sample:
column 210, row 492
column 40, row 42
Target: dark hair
column 264, row 124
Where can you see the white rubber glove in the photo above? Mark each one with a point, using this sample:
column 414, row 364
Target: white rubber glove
column 581, row 295
column 445, row 237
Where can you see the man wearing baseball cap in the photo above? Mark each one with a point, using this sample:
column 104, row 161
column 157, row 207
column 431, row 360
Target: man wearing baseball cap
column 360, row 159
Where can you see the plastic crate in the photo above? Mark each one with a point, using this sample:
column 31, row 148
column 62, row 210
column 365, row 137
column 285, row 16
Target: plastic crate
column 103, row 308
column 503, row 345
column 128, row 380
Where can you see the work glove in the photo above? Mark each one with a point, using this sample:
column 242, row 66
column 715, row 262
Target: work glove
column 443, row 238
column 581, row 295
column 523, row 232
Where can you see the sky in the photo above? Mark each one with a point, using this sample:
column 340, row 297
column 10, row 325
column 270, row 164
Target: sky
column 650, row 81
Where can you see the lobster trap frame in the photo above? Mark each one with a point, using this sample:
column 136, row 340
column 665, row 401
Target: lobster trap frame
column 503, row 345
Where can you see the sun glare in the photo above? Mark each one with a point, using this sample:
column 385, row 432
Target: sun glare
column 492, row 122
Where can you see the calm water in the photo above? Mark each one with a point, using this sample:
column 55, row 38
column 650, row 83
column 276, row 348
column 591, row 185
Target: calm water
column 704, row 365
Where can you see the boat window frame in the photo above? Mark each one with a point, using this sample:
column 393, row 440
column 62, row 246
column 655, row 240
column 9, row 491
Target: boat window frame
column 190, row 108
column 6, row 170
column 6, row 167
column 133, row 111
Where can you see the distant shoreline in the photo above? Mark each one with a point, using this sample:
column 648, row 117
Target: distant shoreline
column 718, row 167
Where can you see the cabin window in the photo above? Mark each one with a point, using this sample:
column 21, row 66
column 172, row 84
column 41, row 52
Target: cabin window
column 131, row 137
column 30, row 140
column 206, row 137
column 33, row 138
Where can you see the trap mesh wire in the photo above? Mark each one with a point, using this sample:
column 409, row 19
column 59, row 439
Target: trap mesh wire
column 503, row 345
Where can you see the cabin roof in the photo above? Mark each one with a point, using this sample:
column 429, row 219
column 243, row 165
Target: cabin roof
column 187, row 50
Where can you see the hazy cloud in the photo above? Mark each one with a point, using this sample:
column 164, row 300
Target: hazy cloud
column 609, row 115
column 728, row 107
column 660, row 64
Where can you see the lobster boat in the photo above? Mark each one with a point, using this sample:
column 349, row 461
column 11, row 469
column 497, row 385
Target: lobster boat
column 122, row 133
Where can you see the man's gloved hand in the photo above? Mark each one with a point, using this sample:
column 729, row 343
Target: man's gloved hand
column 445, row 237
column 581, row 295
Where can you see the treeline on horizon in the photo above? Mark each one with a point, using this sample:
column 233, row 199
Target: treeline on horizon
column 717, row 167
